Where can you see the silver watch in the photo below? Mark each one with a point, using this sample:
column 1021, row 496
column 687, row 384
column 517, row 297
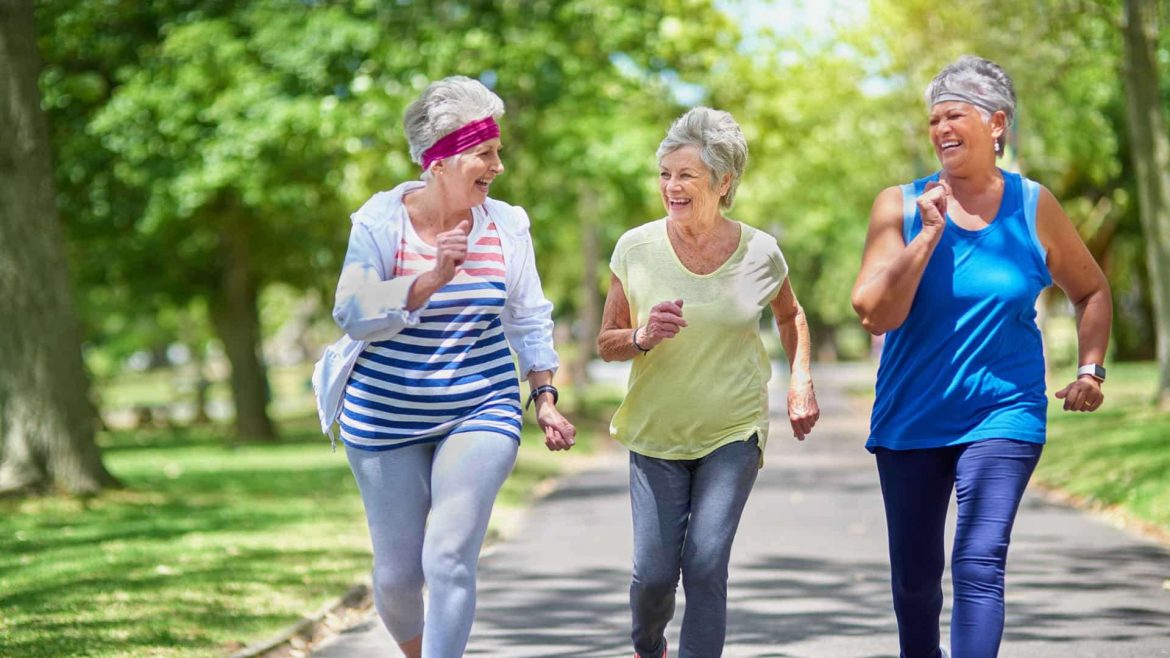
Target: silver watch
column 1094, row 370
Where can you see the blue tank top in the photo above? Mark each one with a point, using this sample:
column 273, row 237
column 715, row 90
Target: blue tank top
column 968, row 362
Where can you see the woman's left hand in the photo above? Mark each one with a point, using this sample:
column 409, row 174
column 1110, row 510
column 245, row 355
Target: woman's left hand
column 803, row 411
column 559, row 433
column 1084, row 394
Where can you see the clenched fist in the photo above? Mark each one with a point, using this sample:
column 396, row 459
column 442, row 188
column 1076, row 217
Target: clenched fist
column 932, row 205
column 666, row 320
column 451, row 251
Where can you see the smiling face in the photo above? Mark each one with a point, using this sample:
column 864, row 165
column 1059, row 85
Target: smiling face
column 466, row 178
column 962, row 138
column 685, row 184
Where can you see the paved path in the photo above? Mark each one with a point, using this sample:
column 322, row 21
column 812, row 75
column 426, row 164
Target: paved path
column 809, row 569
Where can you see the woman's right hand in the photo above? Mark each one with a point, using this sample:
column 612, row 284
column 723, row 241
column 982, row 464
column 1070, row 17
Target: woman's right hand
column 666, row 320
column 451, row 251
column 932, row 205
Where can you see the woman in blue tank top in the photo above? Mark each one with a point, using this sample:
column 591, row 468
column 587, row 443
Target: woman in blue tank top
column 952, row 268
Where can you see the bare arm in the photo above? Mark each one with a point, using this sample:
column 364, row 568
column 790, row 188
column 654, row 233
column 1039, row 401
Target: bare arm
column 803, row 411
column 794, row 336
column 559, row 433
column 891, row 269
column 1078, row 275
column 614, row 342
column 427, row 284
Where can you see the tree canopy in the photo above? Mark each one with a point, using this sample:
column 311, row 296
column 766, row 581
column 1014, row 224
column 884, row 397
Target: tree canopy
column 210, row 149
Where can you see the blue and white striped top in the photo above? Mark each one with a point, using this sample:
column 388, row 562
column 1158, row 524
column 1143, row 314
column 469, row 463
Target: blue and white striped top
column 451, row 373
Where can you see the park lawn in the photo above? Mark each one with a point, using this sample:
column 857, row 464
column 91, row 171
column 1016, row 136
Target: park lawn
column 1118, row 456
column 209, row 547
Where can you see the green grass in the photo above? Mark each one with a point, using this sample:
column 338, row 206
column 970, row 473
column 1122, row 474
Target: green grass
column 210, row 546
column 291, row 390
column 1117, row 456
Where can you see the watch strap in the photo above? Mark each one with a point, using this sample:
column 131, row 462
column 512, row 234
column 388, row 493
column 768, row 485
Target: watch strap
column 536, row 392
column 1094, row 370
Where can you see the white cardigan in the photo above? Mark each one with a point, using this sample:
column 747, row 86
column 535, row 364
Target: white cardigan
column 370, row 304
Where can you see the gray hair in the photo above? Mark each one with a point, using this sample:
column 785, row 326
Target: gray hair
column 977, row 81
column 445, row 106
column 722, row 146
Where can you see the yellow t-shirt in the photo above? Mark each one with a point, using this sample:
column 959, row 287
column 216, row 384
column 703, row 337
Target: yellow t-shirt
column 706, row 387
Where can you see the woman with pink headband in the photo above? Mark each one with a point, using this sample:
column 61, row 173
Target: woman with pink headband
column 439, row 282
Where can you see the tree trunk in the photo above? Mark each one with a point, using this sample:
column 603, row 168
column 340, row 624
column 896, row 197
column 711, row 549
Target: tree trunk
column 202, row 384
column 47, row 424
column 236, row 318
column 1150, row 147
column 192, row 335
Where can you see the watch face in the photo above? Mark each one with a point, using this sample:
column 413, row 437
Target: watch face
column 1093, row 370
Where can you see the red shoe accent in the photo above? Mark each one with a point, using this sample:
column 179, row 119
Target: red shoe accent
column 663, row 652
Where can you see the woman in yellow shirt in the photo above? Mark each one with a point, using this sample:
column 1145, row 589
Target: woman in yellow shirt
column 684, row 303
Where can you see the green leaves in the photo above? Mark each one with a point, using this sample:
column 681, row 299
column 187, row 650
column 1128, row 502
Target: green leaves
column 174, row 118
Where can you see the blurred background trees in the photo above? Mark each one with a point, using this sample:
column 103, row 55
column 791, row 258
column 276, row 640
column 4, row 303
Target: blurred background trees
column 207, row 153
column 1146, row 114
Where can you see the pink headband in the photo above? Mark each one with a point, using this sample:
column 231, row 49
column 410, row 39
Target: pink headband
column 472, row 134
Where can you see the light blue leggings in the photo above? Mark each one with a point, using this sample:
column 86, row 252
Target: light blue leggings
column 428, row 507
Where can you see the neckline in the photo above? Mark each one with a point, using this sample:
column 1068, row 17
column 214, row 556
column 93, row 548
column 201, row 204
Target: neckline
column 412, row 235
column 678, row 261
column 1008, row 188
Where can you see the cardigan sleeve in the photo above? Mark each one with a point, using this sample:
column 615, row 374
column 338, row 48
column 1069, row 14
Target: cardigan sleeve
column 370, row 304
column 527, row 314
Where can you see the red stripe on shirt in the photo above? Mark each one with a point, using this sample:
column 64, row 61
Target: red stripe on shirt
column 483, row 271
column 475, row 255
column 411, row 255
column 496, row 257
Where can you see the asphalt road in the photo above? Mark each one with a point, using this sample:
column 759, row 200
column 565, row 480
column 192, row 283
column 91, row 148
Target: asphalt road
column 809, row 573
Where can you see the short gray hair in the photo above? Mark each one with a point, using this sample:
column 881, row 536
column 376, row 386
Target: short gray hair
column 722, row 146
column 980, row 82
column 445, row 106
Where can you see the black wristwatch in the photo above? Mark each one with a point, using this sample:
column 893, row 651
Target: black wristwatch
column 634, row 340
column 543, row 388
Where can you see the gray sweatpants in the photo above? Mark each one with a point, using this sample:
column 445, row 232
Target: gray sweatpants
column 686, row 513
column 453, row 482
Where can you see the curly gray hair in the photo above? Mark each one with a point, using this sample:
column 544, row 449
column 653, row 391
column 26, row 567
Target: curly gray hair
column 722, row 146
column 980, row 82
column 444, row 106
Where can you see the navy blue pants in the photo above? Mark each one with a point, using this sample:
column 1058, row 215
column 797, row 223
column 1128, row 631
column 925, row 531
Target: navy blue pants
column 988, row 478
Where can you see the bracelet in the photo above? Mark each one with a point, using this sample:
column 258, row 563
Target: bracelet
column 543, row 388
column 634, row 340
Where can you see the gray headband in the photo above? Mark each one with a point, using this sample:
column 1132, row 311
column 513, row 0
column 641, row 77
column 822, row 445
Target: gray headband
column 948, row 95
